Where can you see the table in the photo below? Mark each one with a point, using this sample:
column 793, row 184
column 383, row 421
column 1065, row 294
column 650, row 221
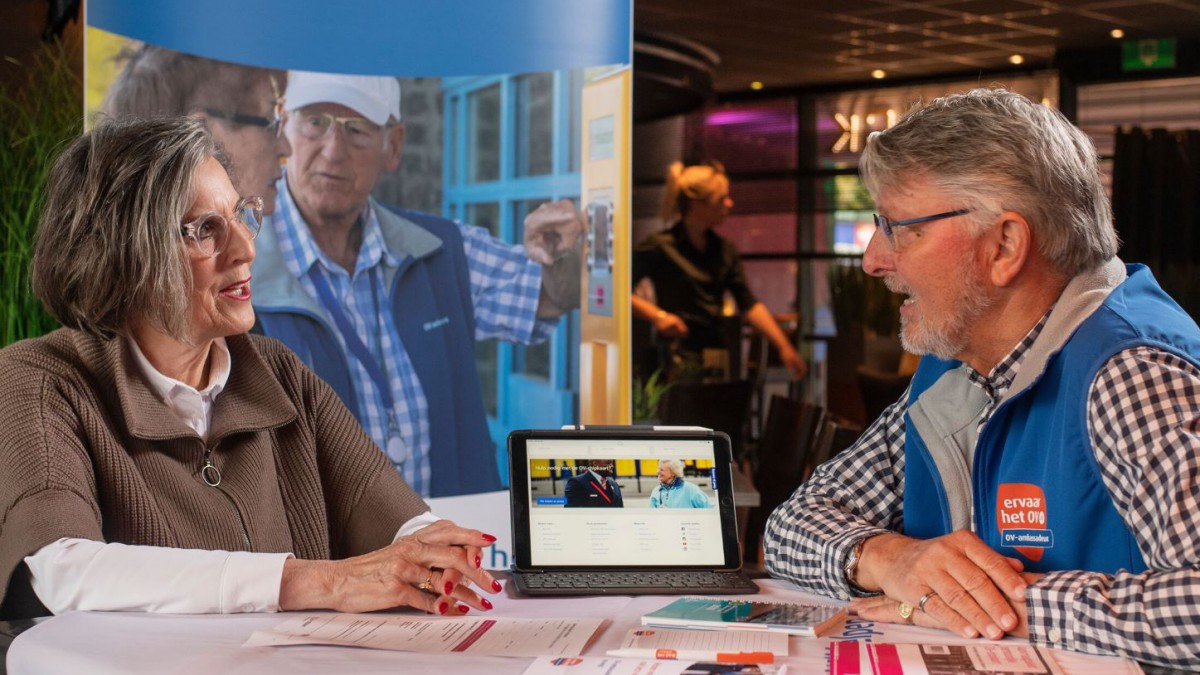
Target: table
column 113, row 642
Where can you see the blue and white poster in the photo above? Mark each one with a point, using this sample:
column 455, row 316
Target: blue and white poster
column 423, row 164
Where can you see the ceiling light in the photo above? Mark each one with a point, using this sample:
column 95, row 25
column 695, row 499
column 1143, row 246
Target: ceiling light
column 1016, row 59
column 1117, row 33
column 879, row 73
column 756, row 85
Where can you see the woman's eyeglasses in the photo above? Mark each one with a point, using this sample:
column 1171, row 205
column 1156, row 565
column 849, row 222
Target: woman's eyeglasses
column 209, row 234
column 272, row 125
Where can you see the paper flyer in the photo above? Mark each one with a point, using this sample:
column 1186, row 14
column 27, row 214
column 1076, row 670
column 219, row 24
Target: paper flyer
column 702, row 645
column 860, row 658
column 491, row 637
column 558, row 665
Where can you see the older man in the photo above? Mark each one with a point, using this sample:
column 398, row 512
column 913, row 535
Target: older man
column 386, row 304
column 1039, row 476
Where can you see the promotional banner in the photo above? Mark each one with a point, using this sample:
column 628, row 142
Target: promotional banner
column 423, row 168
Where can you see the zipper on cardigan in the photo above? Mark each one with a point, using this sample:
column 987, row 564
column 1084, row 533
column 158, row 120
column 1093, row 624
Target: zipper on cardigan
column 212, row 477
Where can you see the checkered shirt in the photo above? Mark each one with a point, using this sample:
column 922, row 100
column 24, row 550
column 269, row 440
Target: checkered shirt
column 505, row 286
column 1144, row 421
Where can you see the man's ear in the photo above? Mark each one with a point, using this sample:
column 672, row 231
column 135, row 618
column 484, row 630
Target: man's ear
column 1013, row 242
column 395, row 147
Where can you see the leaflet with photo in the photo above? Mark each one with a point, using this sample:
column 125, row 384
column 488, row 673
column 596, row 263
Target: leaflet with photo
column 991, row 658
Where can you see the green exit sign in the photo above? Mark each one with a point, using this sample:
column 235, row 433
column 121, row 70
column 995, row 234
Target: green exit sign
column 1148, row 54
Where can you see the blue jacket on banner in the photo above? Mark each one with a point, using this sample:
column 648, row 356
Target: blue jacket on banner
column 1029, row 483
column 429, row 294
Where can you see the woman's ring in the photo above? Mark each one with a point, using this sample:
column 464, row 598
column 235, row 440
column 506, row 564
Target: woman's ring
column 906, row 611
column 924, row 599
column 427, row 585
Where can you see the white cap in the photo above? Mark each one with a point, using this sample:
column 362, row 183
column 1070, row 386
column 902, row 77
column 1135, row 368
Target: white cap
column 375, row 98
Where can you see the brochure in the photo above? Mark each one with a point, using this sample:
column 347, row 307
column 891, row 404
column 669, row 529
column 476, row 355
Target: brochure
column 991, row 658
column 600, row 665
column 696, row 645
column 723, row 614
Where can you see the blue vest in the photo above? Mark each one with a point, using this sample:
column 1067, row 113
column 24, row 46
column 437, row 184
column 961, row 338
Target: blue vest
column 431, row 300
column 1037, row 492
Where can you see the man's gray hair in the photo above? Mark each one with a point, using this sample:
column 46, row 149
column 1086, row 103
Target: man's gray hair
column 997, row 150
column 673, row 465
column 108, row 247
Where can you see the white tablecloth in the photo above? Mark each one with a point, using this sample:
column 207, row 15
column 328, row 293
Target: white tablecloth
column 112, row 642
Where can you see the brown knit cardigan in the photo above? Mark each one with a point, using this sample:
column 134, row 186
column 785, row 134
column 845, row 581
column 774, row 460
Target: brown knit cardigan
column 87, row 450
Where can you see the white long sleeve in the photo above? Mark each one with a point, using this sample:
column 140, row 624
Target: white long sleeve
column 81, row 574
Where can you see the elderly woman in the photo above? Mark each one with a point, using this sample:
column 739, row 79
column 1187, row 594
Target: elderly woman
column 673, row 492
column 155, row 457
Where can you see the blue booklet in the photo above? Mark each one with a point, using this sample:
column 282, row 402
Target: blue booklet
column 723, row 614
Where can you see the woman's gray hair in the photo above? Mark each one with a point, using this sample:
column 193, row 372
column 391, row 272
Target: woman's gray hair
column 997, row 150
column 673, row 465
column 108, row 247
column 162, row 82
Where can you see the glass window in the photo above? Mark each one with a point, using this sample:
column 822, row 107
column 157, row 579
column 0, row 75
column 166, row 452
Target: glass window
column 483, row 107
column 534, row 124
column 531, row 360
column 574, row 133
column 487, row 355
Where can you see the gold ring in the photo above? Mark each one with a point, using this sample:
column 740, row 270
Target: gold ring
column 905, row 610
column 924, row 599
column 427, row 585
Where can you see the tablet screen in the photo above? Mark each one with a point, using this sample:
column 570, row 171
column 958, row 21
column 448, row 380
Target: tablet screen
column 599, row 501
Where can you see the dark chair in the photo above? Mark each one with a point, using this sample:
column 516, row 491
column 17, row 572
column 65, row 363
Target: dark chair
column 833, row 437
column 879, row 390
column 780, row 462
column 722, row 406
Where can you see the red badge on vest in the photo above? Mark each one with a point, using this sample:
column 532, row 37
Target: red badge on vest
column 1021, row 519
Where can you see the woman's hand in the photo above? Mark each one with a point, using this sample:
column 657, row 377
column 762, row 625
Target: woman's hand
column 430, row 570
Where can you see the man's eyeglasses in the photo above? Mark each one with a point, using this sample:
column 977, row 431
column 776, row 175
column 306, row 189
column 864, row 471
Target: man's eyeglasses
column 271, row 125
column 888, row 226
column 210, row 233
column 359, row 131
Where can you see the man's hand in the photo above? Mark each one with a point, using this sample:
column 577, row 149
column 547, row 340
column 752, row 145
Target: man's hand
column 552, row 231
column 552, row 238
column 973, row 588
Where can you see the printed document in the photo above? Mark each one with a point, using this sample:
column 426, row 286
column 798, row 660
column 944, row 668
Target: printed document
column 475, row 635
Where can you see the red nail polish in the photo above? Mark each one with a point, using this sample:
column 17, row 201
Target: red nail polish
column 463, row 609
column 442, row 607
column 485, row 603
column 489, row 537
column 449, row 588
column 478, row 562
column 496, row 586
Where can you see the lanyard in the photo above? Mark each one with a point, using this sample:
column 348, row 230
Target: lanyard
column 395, row 447
column 601, row 491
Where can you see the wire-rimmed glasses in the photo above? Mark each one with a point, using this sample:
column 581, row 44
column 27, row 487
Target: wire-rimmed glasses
column 358, row 131
column 209, row 234
column 888, row 226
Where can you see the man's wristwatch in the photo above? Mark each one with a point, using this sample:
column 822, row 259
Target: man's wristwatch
column 851, row 567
